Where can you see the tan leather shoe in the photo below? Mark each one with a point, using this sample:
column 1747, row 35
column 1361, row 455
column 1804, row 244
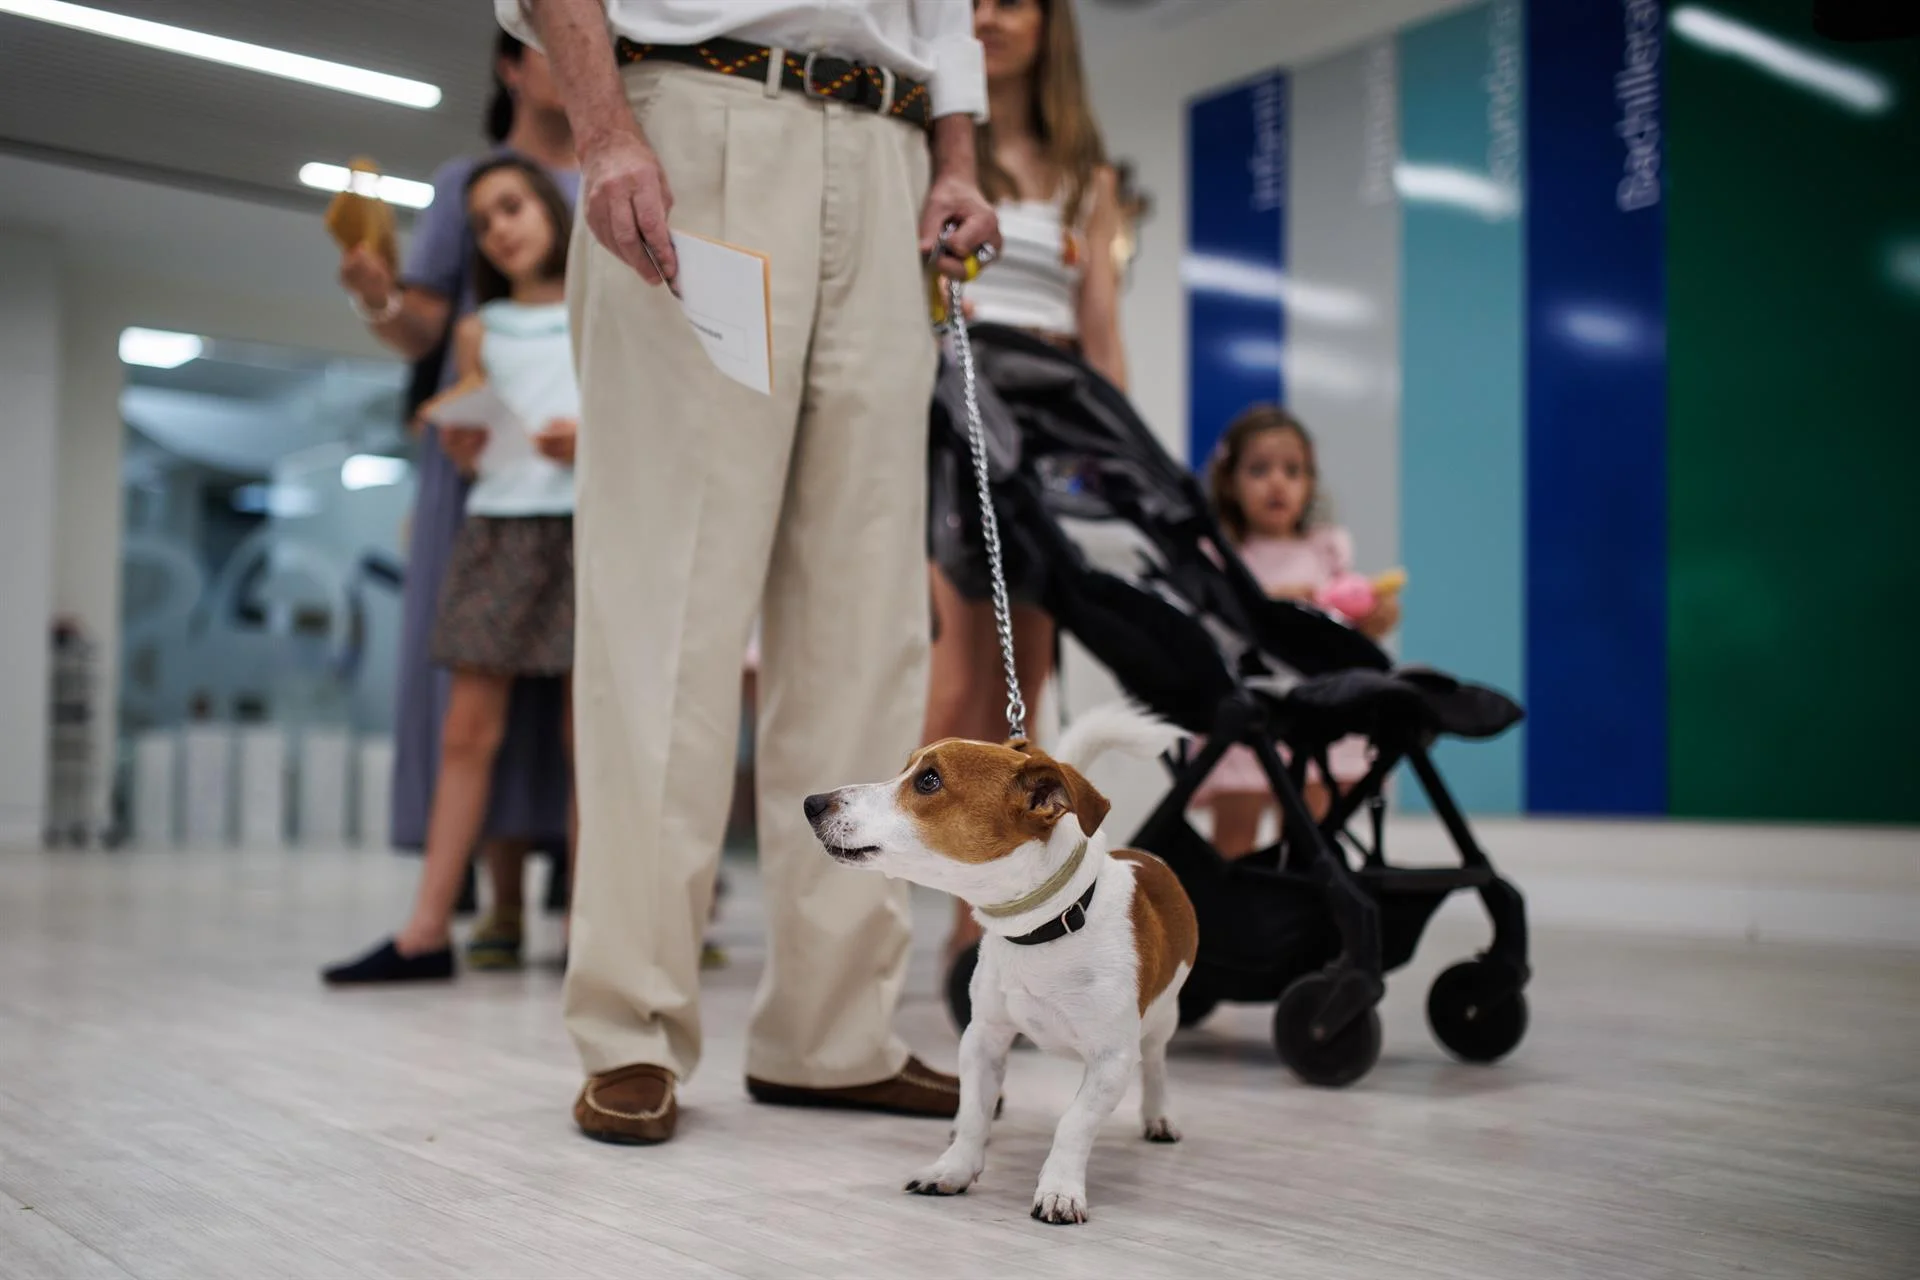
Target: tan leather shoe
column 918, row 1090
column 634, row 1106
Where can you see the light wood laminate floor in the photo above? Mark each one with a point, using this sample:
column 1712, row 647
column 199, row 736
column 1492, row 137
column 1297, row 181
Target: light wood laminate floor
column 180, row 1098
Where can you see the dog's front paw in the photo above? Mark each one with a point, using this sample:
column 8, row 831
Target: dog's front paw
column 1162, row 1130
column 1061, row 1205
column 944, row 1177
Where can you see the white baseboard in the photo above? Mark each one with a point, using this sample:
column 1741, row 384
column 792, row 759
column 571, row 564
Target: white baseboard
column 20, row 829
column 1847, row 885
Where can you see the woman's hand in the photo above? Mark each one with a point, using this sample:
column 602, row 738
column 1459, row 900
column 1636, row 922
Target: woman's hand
column 463, row 446
column 557, row 441
column 1291, row 591
column 1383, row 618
column 364, row 275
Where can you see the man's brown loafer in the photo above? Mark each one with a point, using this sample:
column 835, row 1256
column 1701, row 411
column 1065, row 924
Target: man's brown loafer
column 633, row 1105
column 918, row 1090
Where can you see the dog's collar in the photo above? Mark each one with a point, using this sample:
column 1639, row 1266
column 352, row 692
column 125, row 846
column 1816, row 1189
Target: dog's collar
column 1055, row 883
column 1072, row 920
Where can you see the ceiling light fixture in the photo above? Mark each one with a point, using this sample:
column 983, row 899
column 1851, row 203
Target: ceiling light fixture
column 158, row 348
column 1258, row 282
column 334, row 177
column 1840, row 82
column 372, row 471
column 1457, row 188
column 233, row 53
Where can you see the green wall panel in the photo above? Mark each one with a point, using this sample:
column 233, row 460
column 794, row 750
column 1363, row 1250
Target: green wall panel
column 1794, row 346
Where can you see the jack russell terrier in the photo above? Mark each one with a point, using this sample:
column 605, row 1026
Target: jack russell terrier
column 1086, row 947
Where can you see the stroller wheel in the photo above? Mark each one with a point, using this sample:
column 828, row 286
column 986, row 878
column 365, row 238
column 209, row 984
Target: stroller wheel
column 1331, row 1061
column 959, row 986
column 1476, row 1011
column 1196, row 1003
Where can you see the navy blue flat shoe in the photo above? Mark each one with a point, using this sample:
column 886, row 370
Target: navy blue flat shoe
column 385, row 964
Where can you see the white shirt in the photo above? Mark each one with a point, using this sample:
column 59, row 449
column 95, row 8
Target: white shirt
column 1035, row 282
column 930, row 40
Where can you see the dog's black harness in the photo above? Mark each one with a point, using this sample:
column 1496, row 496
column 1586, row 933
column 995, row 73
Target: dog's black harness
column 1072, row 920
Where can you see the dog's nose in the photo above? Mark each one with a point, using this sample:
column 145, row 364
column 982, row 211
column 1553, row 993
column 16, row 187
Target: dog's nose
column 817, row 805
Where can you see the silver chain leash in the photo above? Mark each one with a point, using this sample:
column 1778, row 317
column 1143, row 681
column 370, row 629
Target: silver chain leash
column 989, row 520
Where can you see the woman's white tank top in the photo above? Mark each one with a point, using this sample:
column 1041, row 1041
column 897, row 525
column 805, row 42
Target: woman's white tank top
column 1036, row 282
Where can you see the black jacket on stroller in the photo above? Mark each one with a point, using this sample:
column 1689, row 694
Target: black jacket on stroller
column 1316, row 920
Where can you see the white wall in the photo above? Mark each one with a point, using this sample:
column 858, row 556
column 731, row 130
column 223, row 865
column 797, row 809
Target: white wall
column 82, row 256
column 30, row 360
column 100, row 305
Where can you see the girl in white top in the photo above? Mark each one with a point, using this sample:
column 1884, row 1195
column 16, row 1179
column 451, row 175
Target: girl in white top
column 506, row 606
column 1044, row 166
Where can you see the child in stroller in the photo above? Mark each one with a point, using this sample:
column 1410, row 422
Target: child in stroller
column 1316, row 920
column 1264, row 483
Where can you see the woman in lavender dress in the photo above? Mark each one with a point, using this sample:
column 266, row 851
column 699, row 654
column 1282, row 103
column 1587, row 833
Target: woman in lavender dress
column 412, row 315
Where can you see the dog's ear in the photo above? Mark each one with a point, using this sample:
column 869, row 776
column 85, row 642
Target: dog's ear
column 1054, row 790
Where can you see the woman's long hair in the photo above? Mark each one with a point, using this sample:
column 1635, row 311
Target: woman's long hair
column 1062, row 118
column 500, row 106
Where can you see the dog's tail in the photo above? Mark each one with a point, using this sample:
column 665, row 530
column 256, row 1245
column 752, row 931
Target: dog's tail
column 1115, row 726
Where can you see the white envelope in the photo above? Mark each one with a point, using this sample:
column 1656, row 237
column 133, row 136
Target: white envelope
column 726, row 293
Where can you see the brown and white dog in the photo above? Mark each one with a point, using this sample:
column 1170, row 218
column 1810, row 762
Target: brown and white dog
column 1086, row 947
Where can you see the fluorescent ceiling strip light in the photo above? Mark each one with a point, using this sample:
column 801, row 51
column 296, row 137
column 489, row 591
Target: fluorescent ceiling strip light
column 158, row 348
column 1456, row 187
column 372, row 471
column 335, row 177
column 233, row 53
column 1237, row 278
column 1848, row 85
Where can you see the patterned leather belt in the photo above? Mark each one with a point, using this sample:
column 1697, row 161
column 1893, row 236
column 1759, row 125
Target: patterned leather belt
column 813, row 75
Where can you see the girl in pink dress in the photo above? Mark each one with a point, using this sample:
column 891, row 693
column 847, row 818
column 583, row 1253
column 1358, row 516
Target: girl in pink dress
column 1265, row 489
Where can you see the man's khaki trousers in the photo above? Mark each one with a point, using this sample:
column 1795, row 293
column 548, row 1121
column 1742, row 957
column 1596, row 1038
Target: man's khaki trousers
column 702, row 503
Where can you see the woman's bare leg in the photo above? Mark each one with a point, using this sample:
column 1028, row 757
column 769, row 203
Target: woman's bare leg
column 1236, row 822
column 1032, row 657
column 469, row 739
column 962, row 631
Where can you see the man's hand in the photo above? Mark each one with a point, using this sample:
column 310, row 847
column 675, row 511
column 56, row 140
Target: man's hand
column 954, row 200
column 364, row 274
column 557, row 441
column 463, row 446
column 628, row 201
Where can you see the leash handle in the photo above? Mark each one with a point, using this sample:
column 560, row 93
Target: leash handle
column 956, row 321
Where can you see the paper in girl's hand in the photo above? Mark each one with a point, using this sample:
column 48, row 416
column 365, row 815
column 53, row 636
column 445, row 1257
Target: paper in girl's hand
column 476, row 404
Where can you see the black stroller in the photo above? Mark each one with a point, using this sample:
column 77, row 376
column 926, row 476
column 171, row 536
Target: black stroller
column 1316, row 920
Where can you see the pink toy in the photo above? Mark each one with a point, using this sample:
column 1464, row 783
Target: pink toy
column 1355, row 597
column 1348, row 594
